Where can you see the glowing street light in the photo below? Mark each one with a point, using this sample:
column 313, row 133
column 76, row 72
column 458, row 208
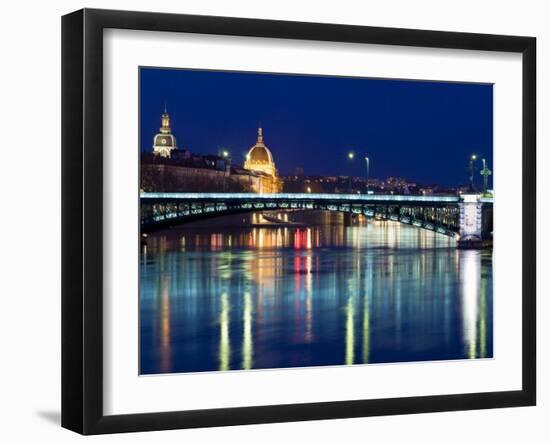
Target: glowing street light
column 473, row 158
column 351, row 156
column 368, row 172
column 227, row 157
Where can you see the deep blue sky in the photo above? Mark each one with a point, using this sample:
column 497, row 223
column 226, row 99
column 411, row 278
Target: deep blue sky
column 423, row 131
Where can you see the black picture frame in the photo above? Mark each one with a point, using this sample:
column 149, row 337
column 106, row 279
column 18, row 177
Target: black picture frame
column 82, row 216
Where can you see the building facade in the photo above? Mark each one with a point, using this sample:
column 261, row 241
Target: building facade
column 260, row 160
column 164, row 142
column 170, row 169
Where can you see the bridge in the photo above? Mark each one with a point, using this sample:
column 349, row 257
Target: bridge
column 465, row 217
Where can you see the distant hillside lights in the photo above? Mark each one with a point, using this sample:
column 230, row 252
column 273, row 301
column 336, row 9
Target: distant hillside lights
column 164, row 142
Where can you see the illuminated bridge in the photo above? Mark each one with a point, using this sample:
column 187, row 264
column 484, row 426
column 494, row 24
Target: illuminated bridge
column 467, row 217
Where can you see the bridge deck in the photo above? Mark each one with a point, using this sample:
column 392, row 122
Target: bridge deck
column 359, row 198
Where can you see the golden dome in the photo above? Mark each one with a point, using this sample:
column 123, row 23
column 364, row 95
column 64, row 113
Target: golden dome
column 259, row 157
column 260, row 154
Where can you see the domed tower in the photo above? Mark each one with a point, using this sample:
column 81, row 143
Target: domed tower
column 164, row 142
column 259, row 157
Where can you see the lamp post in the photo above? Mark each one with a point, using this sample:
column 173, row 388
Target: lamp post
column 472, row 160
column 351, row 156
column 368, row 172
column 227, row 157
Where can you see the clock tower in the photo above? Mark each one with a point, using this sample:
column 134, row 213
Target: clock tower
column 164, row 142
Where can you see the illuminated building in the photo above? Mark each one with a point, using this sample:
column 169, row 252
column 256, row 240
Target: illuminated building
column 170, row 169
column 164, row 142
column 260, row 160
column 259, row 157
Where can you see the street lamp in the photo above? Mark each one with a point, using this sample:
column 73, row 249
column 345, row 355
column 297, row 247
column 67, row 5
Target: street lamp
column 351, row 156
column 473, row 158
column 227, row 157
column 368, row 172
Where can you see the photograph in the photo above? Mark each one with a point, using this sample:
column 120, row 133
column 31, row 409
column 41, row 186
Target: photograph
column 256, row 222
column 290, row 220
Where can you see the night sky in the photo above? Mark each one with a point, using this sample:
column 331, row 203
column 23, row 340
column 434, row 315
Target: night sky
column 422, row 131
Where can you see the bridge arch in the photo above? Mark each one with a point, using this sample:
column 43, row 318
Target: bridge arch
column 437, row 216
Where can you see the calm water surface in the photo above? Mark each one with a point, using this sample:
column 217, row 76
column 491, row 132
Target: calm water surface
column 223, row 298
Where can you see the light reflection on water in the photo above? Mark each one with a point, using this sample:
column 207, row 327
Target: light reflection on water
column 245, row 298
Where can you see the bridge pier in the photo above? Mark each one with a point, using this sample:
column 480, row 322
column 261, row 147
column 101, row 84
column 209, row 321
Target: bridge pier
column 475, row 222
column 348, row 219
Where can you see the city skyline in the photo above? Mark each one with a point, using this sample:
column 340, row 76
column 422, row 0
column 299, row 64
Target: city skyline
column 301, row 133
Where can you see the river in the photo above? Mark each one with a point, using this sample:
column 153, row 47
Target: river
column 232, row 297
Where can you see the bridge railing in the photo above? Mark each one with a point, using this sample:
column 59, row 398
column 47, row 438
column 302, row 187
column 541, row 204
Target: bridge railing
column 300, row 196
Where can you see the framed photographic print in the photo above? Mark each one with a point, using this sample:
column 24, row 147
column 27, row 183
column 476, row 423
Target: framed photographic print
column 270, row 221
